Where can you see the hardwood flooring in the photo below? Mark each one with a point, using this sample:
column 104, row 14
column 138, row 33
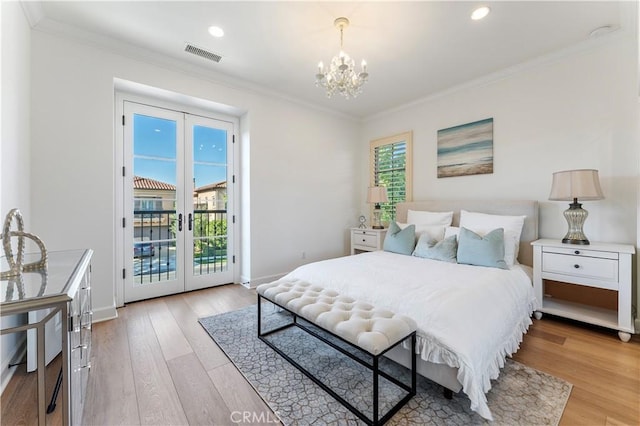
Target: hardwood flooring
column 155, row 365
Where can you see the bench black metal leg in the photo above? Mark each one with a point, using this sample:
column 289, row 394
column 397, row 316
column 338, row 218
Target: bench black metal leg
column 414, row 367
column 375, row 390
column 374, row 366
column 259, row 316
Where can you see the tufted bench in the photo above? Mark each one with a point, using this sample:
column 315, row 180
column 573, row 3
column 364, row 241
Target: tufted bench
column 371, row 330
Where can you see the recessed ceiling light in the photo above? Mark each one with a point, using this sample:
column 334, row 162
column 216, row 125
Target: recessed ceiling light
column 216, row 31
column 480, row 13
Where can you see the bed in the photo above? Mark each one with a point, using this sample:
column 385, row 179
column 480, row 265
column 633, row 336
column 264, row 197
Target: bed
column 470, row 318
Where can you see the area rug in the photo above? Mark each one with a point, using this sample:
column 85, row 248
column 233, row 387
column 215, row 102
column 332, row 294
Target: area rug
column 520, row 396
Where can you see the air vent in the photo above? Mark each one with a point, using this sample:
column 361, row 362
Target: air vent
column 202, row 52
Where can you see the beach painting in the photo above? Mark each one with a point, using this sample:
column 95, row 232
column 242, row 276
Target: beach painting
column 466, row 149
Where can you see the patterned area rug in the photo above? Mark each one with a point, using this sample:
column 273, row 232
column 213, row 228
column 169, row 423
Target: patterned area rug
column 520, row 396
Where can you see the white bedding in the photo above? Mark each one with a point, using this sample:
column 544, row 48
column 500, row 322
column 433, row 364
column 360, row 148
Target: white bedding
column 468, row 317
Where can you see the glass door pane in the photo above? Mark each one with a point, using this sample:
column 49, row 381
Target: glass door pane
column 208, row 222
column 155, row 200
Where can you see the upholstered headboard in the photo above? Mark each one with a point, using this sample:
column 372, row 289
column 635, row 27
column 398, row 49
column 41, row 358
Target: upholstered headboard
column 501, row 207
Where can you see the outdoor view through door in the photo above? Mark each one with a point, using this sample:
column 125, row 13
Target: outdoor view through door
column 178, row 200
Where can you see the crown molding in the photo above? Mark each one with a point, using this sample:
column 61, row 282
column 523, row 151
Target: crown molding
column 108, row 44
column 506, row 73
column 33, row 11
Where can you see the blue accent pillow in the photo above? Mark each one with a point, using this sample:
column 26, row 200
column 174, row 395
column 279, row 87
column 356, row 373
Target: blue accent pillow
column 430, row 248
column 482, row 251
column 398, row 240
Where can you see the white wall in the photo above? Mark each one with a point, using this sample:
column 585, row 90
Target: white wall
column 579, row 111
column 637, row 264
column 15, row 140
column 284, row 184
column 303, row 185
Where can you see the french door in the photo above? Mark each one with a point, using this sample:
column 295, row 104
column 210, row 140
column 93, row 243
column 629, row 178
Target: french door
column 178, row 197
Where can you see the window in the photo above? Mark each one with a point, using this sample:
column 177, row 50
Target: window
column 148, row 204
column 390, row 166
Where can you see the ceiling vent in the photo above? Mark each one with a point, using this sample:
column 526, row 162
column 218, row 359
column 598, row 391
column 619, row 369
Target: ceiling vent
column 202, row 52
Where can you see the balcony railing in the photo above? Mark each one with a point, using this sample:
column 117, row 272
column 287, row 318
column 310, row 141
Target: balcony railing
column 209, row 241
column 155, row 248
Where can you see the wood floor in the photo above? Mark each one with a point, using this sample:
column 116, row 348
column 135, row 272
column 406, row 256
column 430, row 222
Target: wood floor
column 155, row 365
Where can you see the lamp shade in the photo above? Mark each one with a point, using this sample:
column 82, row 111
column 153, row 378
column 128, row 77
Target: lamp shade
column 576, row 184
column 377, row 194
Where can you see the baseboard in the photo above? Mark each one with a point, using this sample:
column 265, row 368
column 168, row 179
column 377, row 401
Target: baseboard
column 253, row 283
column 637, row 325
column 104, row 314
column 18, row 354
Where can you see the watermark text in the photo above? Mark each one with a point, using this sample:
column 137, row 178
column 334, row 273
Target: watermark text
column 248, row 417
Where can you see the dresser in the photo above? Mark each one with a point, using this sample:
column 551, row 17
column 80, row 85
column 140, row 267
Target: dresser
column 367, row 239
column 590, row 283
column 64, row 287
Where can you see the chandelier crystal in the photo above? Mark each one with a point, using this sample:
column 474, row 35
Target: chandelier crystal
column 341, row 76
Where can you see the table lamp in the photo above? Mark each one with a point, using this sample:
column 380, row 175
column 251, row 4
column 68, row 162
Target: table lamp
column 377, row 195
column 574, row 185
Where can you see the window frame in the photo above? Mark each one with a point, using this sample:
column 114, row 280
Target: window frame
column 407, row 138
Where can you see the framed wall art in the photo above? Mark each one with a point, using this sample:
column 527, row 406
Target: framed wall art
column 466, row 149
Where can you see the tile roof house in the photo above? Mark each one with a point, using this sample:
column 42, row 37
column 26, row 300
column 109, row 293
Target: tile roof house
column 211, row 197
column 154, row 204
column 141, row 183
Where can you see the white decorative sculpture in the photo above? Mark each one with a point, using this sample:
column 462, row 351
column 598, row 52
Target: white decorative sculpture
column 16, row 264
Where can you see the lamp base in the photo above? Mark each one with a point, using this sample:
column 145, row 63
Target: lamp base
column 574, row 241
column 376, row 223
column 575, row 216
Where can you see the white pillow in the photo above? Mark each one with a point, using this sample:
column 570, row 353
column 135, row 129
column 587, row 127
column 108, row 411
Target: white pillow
column 451, row 230
column 417, row 217
column 483, row 223
column 434, row 231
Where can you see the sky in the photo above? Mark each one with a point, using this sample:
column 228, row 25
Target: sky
column 155, row 148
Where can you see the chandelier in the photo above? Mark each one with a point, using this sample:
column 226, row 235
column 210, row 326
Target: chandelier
column 341, row 75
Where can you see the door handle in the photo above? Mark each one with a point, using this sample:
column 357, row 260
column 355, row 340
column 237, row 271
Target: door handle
column 189, row 221
column 180, row 222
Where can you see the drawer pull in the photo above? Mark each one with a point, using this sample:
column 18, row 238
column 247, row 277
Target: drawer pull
column 363, row 240
column 576, row 266
column 576, row 252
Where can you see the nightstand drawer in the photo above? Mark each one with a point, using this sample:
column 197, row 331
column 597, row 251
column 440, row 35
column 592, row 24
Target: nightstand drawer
column 581, row 252
column 576, row 266
column 364, row 238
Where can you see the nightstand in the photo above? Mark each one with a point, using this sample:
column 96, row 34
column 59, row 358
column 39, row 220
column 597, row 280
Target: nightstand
column 590, row 283
column 367, row 239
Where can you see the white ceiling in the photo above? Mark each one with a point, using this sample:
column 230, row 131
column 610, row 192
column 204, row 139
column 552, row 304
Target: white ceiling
column 413, row 49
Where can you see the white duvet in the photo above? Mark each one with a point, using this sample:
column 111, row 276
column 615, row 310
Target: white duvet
column 468, row 317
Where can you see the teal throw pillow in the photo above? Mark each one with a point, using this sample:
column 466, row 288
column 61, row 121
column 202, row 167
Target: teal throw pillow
column 430, row 248
column 398, row 240
column 482, row 251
